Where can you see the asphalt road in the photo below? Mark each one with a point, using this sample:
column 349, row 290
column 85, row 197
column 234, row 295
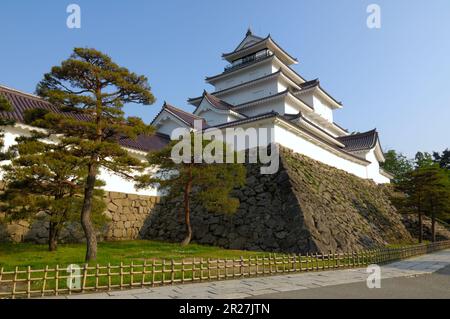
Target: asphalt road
column 429, row 286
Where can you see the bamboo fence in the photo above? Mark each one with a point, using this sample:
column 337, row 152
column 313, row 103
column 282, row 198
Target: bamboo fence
column 27, row 282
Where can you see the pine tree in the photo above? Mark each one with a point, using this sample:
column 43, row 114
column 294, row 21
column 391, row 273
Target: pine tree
column 442, row 159
column 208, row 184
column 397, row 164
column 437, row 194
column 95, row 88
column 427, row 192
column 46, row 179
column 423, row 159
column 5, row 106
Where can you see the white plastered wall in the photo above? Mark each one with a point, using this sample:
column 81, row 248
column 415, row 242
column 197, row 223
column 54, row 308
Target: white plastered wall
column 301, row 145
column 247, row 74
column 373, row 169
column 113, row 182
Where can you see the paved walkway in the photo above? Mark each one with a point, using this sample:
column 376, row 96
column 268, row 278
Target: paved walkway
column 263, row 286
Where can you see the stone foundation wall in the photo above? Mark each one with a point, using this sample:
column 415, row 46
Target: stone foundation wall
column 127, row 214
column 411, row 222
column 305, row 207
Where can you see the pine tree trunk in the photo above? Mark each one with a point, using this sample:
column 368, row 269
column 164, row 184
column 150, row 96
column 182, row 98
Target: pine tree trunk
column 420, row 228
column 52, row 237
column 433, row 228
column 187, row 212
column 89, row 231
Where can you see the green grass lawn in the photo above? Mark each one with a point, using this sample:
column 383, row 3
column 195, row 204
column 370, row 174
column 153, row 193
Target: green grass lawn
column 37, row 256
column 152, row 265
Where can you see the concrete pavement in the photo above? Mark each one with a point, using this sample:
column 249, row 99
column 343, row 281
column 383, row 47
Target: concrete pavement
column 434, row 285
column 291, row 285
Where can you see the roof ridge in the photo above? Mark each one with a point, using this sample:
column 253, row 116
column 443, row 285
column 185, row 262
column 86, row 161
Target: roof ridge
column 225, row 103
column 245, row 48
column 180, row 110
column 7, row 88
column 271, row 56
column 360, row 134
column 263, row 98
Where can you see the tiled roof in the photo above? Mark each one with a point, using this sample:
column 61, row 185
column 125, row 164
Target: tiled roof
column 22, row 102
column 217, row 103
column 266, row 39
column 248, row 120
column 242, row 66
column 289, row 118
column 316, row 84
column 196, row 100
column 186, row 117
column 146, row 143
column 360, row 141
column 309, row 84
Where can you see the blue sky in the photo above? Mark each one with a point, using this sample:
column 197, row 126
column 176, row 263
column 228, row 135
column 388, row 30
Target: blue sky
column 395, row 78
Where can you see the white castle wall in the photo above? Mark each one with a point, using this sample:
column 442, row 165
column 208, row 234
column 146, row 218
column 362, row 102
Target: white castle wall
column 113, row 182
column 302, row 146
column 249, row 74
column 251, row 93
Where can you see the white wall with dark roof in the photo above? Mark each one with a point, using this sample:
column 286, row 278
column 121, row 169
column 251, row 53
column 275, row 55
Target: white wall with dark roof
column 251, row 92
column 113, row 182
column 303, row 146
column 246, row 74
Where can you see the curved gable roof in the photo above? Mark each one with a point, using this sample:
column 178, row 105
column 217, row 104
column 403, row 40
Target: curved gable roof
column 23, row 102
column 360, row 141
column 183, row 116
column 218, row 104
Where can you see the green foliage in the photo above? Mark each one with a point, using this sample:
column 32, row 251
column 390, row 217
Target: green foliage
column 423, row 159
column 426, row 190
column 47, row 180
column 397, row 164
column 32, row 116
column 207, row 184
column 91, row 86
column 94, row 88
column 5, row 105
column 212, row 182
column 442, row 159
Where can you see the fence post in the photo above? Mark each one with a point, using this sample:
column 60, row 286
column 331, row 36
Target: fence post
column 182, row 271
column 96, row 276
column 56, row 280
column 85, row 270
column 131, row 274
column 144, row 267
column 163, row 277
column 172, row 277
column 28, row 281
column 317, row 261
column 109, row 276
column 43, row 284
column 153, row 272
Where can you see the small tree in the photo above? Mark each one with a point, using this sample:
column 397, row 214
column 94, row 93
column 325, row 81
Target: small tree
column 209, row 184
column 397, row 164
column 423, row 159
column 427, row 191
column 95, row 89
column 5, row 106
column 442, row 159
column 437, row 194
column 45, row 178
